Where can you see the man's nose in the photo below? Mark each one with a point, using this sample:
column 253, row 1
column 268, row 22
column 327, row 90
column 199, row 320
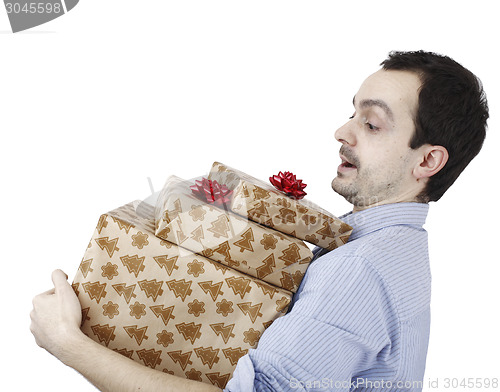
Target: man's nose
column 346, row 133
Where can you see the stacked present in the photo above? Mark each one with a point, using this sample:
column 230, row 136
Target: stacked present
column 189, row 286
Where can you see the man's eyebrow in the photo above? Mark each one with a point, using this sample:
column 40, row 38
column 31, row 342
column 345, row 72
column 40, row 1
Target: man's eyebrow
column 366, row 103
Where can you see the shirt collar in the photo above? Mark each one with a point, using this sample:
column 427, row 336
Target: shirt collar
column 376, row 218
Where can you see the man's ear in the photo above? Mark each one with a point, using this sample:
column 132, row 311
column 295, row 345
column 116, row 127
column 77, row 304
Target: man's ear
column 433, row 160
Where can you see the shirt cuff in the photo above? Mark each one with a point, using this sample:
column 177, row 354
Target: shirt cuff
column 243, row 376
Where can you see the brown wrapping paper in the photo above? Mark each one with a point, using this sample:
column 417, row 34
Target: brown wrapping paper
column 230, row 239
column 262, row 203
column 165, row 307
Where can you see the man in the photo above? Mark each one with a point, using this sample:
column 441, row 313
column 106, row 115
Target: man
column 360, row 319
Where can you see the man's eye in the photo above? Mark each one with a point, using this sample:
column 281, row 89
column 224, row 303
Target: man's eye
column 372, row 127
column 350, row 118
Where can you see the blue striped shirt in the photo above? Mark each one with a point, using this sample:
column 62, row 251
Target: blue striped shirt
column 360, row 319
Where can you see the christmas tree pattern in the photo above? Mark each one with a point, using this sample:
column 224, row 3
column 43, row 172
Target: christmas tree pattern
column 259, row 211
column 239, row 285
column 181, row 288
column 139, row 334
column 108, row 245
column 214, row 289
column 218, row 266
column 151, row 288
column 267, row 324
column 95, row 290
column 224, row 331
column 75, row 286
column 326, row 231
column 344, row 228
column 208, row 355
column 102, row 223
column 181, row 237
column 260, row 194
column 297, row 277
column 85, row 315
column 252, row 311
column 246, row 241
column 125, row 352
column 266, row 289
column 234, row 354
column 150, row 357
column 134, row 264
column 104, row 333
column 197, row 213
column 291, row 254
column 344, row 239
column 190, row 331
column 287, row 281
column 267, row 267
column 197, row 234
column 85, row 267
column 225, row 249
column 162, row 312
column 126, row 291
column 122, row 225
column 181, row 358
column 167, row 263
column 220, row 227
column 217, row 379
column 170, row 215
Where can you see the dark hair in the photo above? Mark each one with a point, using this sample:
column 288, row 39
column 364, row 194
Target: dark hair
column 452, row 112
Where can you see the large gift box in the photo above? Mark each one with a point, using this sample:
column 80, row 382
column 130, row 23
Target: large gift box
column 228, row 238
column 262, row 203
column 189, row 286
column 166, row 307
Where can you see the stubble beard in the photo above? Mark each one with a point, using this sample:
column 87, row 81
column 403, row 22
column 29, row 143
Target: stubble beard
column 351, row 190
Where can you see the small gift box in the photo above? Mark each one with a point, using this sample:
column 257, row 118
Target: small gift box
column 166, row 307
column 283, row 211
column 209, row 229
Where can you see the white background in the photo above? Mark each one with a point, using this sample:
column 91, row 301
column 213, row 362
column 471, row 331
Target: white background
column 96, row 101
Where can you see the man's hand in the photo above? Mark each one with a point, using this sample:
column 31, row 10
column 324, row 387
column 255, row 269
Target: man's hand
column 55, row 322
column 56, row 316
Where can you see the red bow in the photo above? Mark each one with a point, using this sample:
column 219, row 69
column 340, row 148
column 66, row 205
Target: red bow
column 288, row 184
column 211, row 192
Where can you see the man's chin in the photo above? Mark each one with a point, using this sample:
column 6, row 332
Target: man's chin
column 342, row 187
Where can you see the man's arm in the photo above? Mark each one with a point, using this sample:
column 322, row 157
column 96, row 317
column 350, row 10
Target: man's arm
column 55, row 323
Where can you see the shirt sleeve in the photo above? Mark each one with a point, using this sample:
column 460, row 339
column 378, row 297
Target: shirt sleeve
column 342, row 324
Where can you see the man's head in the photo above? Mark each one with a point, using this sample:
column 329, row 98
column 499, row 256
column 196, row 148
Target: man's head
column 418, row 122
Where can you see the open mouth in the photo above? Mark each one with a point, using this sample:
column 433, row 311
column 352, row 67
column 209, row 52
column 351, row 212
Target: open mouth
column 345, row 165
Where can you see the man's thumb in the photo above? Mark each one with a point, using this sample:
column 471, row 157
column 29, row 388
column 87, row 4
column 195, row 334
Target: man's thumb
column 59, row 278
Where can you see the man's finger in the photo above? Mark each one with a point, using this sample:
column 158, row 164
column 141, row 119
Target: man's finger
column 59, row 278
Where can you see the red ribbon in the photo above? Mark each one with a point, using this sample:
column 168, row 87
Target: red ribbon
column 211, row 192
column 289, row 185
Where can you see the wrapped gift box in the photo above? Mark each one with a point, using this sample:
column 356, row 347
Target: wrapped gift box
column 262, row 203
column 166, row 307
column 230, row 239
